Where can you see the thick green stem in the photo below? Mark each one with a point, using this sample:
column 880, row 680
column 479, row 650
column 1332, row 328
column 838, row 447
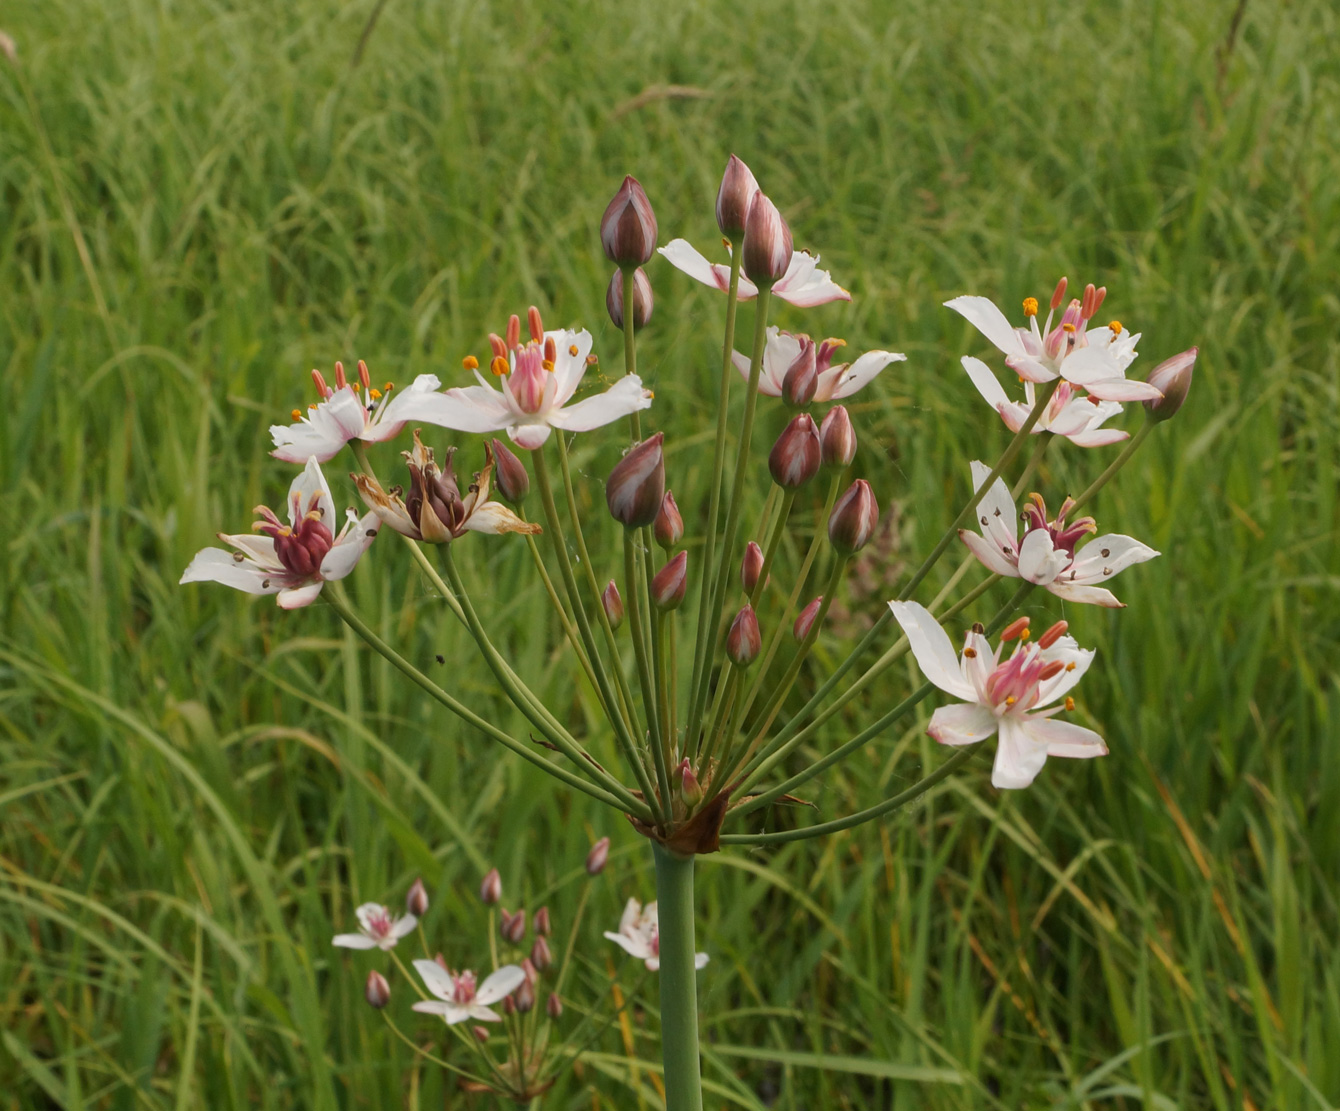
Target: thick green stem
column 679, row 984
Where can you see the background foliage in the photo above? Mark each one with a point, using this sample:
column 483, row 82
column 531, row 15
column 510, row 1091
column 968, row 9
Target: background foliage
column 199, row 200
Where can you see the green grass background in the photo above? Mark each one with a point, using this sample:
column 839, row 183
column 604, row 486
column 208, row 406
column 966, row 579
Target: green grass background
column 199, row 200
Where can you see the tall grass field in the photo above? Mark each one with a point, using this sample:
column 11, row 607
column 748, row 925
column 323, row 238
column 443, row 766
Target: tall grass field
column 201, row 200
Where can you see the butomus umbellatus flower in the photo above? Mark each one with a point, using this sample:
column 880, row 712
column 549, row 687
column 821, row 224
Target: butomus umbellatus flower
column 295, row 560
column 1046, row 555
column 1070, row 412
column 803, row 285
column 1017, row 697
column 460, row 998
column 434, row 509
column 835, row 381
column 639, row 935
column 377, row 929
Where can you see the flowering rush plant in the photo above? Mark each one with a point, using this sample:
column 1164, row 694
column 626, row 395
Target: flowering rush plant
column 693, row 652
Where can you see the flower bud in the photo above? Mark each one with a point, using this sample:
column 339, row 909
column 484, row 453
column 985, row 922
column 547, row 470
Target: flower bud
column 510, row 474
column 416, row 902
column 767, row 242
column 853, row 520
column 628, row 228
column 636, row 486
column 1173, row 378
column 377, row 991
column 669, row 527
column 744, row 641
column 751, row 567
column 596, row 858
column 509, row 1006
column 801, row 379
column 734, row 197
column 440, row 961
column 490, row 891
column 553, row 1006
column 796, row 455
column 689, row 786
column 805, row 622
column 540, row 954
column 613, row 604
column 837, row 438
column 481, row 1033
column 670, row 583
column 542, row 921
column 524, row 997
column 643, row 301
column 513, row 926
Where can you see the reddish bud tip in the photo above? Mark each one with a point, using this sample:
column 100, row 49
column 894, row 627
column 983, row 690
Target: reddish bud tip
column 734, row 197
column 669, row 527
column 643, row 301
column 524, row 997
column 628, row 228
column 689, row 786
column 767, row 242
column 597, row 857
column 509, row 474
column 613, row 604
column 440, row 961
column 377, row 991
column 837, row 438
column 490, row 891
column 542, row 921
column 416, row 901
column 801, row 379
column 670, row 583
column 854, row 518
column 553, row 1006
column 513, row 926
column 1014, row 630
column 805, row 622
column 1052, row 635
column 796, row 455
column 481, row 1033
column 636, row 486
column 540, row 954
column 751, row 567
column 743, row 641
column 1173, row 378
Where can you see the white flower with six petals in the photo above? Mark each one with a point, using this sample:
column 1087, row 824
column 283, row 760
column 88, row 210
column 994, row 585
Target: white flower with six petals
column 378, row 929
column 1069, row 413
column 835, row 382
column 458, row 998
column 803, row 285
column 640, row 935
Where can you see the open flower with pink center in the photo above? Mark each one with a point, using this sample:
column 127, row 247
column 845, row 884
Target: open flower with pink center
column 377, row 929
column 1069, row 413
column 640, row 935
column 295, row 560
column 1094, row 360
column 459, row 999
column 1047, row 555
column 538, row 379
column 348, row 411
column 787, row 353
column 1015, row 697
column 803, row 285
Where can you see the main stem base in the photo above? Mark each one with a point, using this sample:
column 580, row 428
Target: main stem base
column 679, row 985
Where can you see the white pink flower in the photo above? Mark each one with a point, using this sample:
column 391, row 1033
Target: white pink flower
column 640, row 935
column 377, row 929
column 803, row 285
column 1069, row 412
column 349, row 411
column 784, row 351
column 458, row 998
column 1047, row 556
column 1014, row 697
column 538, row 379
column 1095, row 360
column 295, row 560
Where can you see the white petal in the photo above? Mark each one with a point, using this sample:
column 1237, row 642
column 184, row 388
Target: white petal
column 219, row 566
column 570, row 365
column 624, row 397
column 451, row 1012
column 500, row 984
column 931, row 647
column 494, row 518
column 1121, row 389
column 435, row 978
column 311, row 484
column 296, row 597
column 805, row 285
column 990, row 554
column 528, row 436
column 995, row 512
column 353, row 941
column 964, row 724
column 632, row 911
column 1107, row 555
column 700, row 960
column 765, row 384
column 1052, row 689
column 683, row 256
column 463, row 409
column 393, row 415
column 1040, row 561
column 403, row 925
column 349, row 548
column 634, row 947
column 863, row 371
column 325, row 430
column 1064, row 739
column 1019, row 757
column 990, row 321
column 781, row 350
column 986, row 382
column 1085, row 595
column 1098, row 438
column 481, row 1014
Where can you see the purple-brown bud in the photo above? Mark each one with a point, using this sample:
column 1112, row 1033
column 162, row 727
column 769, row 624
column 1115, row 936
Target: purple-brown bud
column 510, row 474
column 805, row 622
column 596, row 858
column 796, row 455
column 636, row 486
column 744, row 641
column 853, row 520
column 734, row 197
column 751, row 567
column 513, row 926
column 613, row 604
column 481, row 1033
column 670, row 583
column 801, row 379
column 669, row 527
column 837, row 438
column 490, row 891
column 689, row 786
column 509, row 1005
column 553, row 1006
column 542, row 921
column 767, row 242
column 524, row 997
column 1173, row 378
column 416, row 901
column 643, row 301
column 377, row 991
column 628, row 228
column 540, row 955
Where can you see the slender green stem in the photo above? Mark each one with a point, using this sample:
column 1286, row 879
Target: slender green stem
column 657, row 622
column 699, row 695
column 430, row 1057
column 634, row 607
column 679, row 984
column 1132, row 446
column 702, row 638
column 569, row 629
column 630, row 343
